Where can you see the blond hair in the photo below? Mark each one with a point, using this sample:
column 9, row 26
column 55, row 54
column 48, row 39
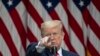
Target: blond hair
column 51, row 24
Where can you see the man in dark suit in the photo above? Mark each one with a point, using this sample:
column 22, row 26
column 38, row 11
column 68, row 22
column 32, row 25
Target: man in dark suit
column 50, row 44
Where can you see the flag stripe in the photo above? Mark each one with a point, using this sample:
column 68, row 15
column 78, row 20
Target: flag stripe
column 41, row 10
column 86, row 16
column 75, row 21
column 75, row 12
column 20, row 28
column 1, row 54
column 22, row 13
column 92, row 49
column 95, row 28
column 74, row 41
column 7, row 36
column 96, row 3
column 74, row 25
column 32, row 25
column 64, row 4
column 76, row 28
column 4, row 45
column 94, row 13
column 94, row 41
column 31, row 36
column 67, row 41
column 88, row 13
column 32, row 11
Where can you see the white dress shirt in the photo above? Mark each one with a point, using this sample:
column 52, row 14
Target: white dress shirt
column 60, row 52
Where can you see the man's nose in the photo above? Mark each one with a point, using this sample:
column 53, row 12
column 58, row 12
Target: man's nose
column 51, row 36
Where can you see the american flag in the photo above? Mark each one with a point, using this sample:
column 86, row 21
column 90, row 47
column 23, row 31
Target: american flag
column 20, row 22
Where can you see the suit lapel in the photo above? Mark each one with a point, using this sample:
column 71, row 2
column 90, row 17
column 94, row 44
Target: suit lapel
column 47, row 52
column 64, row 53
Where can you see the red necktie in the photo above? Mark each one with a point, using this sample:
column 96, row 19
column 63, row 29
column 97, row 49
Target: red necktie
column 57, row 54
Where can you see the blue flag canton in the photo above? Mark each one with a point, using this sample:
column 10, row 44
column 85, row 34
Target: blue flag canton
column 49, row 5
column 82, row 4
column 9, row 4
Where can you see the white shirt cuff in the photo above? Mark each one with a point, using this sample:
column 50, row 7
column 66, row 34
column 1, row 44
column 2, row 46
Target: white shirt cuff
column 39, row 47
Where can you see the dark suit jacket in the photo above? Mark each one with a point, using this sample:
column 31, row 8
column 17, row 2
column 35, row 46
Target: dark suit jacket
column 31, row 51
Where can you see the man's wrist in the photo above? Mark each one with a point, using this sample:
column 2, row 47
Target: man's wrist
column 39, row 47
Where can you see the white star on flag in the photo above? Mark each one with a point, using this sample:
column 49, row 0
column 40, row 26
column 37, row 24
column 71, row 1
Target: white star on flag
column 49, row 4
column 10, row 2
column 81, row 3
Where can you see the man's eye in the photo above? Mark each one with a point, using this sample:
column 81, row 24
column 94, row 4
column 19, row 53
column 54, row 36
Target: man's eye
column 51, row 34
column 55, row 33
column 48, row 34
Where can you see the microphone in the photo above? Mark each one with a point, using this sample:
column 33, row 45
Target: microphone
column 54, row 50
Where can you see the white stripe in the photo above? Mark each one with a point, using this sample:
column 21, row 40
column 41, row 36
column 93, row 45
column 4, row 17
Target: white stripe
column 75, row 12
column 63, row 17
column 34, row 28
column 0, row 5
column 22, row 13
column 94, row 13
column 11, row 28
column 85, row 32
column 77, row 44
column 63, row 45
column 3, row 47
column 40, row 9
column 22, row 51
column 94, row 40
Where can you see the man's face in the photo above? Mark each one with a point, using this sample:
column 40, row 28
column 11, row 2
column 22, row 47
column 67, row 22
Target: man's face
column 55, row 36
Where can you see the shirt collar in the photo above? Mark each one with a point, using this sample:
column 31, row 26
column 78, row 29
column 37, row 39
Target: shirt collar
column 60, row 52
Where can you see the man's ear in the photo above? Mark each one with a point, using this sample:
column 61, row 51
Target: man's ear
column 63, row 34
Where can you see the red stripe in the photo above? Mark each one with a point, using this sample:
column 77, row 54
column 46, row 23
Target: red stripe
column 6, row 36
column 54, row 16
column 31, row 36
column 89, row 20
column 34, row 14
column 95, row 27
column 1, row 54
column 67, row 41
column 86, row 16
column 96, row 3
column 76, row 28
column 91, row 49
column 64, row 4
column 20, row 28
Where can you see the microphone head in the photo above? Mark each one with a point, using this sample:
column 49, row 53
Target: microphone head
column 54, row 50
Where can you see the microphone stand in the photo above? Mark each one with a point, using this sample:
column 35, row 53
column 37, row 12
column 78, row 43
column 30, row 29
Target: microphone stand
column 54, row 51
